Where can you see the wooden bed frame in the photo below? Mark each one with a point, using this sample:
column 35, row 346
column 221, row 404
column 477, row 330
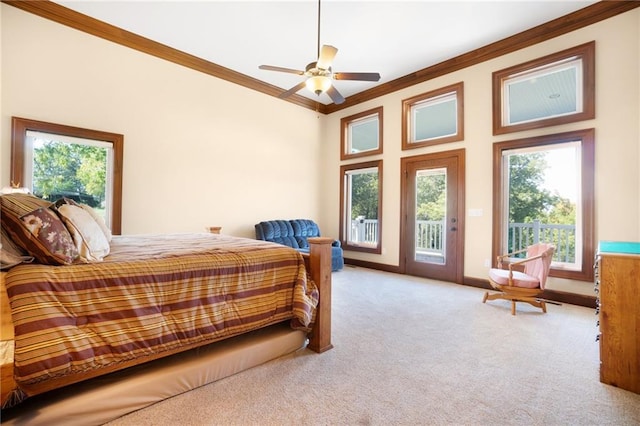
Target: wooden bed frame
column 317, row 263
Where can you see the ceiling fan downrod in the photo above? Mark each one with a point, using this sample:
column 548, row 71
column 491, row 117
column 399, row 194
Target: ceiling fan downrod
column 318, row 54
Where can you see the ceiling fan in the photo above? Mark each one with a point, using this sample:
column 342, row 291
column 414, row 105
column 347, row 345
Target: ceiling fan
column 320, row 75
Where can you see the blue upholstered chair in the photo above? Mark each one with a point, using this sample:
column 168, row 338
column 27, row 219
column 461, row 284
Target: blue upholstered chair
column 294, row 233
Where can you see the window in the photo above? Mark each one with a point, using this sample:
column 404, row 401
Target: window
column 361, row 206
column 433, row 118
column 555, row 89
column 543, row 192
column 56, row 161
column 361, row 134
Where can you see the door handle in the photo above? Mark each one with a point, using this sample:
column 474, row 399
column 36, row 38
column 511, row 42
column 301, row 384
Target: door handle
column 453, row 228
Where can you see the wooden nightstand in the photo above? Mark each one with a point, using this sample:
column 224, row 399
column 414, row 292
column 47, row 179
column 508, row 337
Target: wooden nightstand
column 213, row 229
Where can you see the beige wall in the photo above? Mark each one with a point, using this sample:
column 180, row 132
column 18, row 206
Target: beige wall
column 617, row 144
column 200, row 151
column 197, row 151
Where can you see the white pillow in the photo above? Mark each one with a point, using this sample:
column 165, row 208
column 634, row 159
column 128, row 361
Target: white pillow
column 87, row 235
column 99, row 219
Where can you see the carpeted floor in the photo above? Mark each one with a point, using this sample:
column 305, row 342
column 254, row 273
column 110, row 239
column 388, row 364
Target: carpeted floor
column 411, row 351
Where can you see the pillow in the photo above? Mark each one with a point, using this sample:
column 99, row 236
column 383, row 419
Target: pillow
column 89, row 239
column 10, row 253
column 99, row 219
column 9, row 259
column 36, row 228
column 56, row 247
column 8, row 245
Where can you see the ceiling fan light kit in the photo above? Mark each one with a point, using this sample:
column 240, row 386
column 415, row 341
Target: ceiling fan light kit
column 318, row 84
column 319, row 74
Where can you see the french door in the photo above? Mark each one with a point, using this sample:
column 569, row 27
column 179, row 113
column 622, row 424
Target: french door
column 432, row 224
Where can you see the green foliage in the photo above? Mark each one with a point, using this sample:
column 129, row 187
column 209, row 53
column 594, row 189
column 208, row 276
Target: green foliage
column 563, row 212
column 61, row 167
column 431, row 196
column 364, row 195
column 529, row 201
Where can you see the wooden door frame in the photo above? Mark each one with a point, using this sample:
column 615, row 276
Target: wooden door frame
column 459, row 154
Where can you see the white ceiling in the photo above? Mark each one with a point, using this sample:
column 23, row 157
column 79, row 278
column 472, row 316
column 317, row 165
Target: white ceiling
column 394, row 38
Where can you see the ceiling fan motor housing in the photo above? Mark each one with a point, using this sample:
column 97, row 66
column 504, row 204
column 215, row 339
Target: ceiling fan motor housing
column 313, row 70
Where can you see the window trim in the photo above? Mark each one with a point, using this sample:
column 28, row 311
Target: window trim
column 584, row 52
column 586, row 138
column 344, row 133
column 19, row 128
column 343, row 234
column 407, row 122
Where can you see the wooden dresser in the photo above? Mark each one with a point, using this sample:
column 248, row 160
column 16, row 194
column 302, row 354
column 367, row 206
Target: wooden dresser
column 618, row 306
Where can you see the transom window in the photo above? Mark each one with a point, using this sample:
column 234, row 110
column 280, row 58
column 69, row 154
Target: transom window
column 434, row 117
column 361, row 134
column 547, row 92
column 555, row 89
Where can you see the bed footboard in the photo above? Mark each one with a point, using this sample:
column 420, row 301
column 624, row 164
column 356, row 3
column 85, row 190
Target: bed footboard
column 319, row 266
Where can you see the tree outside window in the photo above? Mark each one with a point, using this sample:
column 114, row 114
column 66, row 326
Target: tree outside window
column 75, row 171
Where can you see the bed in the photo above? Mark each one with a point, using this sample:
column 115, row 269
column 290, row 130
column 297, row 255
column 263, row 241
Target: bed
column 150, row 297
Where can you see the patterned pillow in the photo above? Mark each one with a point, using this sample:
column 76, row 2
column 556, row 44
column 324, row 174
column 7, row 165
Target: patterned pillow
column 32, row 225
column 54, row 238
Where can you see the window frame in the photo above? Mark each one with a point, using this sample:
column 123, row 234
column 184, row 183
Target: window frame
column 586, row 138
column 407, row 120
column 19, row 128
column 343, row 234
column 585, row 53
column 345, row 140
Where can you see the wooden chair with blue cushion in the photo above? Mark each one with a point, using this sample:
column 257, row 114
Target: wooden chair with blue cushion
column 526, row 286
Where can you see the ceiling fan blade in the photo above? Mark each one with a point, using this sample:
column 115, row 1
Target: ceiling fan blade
column 362, row 76
column 280, row 69
column 293, row 90
column 327, row 53
column 335, row 96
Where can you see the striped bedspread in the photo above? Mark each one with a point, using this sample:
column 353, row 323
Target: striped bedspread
column 153, row 294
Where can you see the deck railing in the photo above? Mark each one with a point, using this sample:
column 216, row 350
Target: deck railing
column 364, row 231
column 430, row 236
column 522, row 235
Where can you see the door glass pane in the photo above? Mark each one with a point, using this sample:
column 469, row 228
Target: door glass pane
column 430, row 208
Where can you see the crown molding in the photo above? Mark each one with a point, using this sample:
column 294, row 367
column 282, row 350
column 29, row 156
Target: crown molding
column 65, row 16
column 565, row 24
